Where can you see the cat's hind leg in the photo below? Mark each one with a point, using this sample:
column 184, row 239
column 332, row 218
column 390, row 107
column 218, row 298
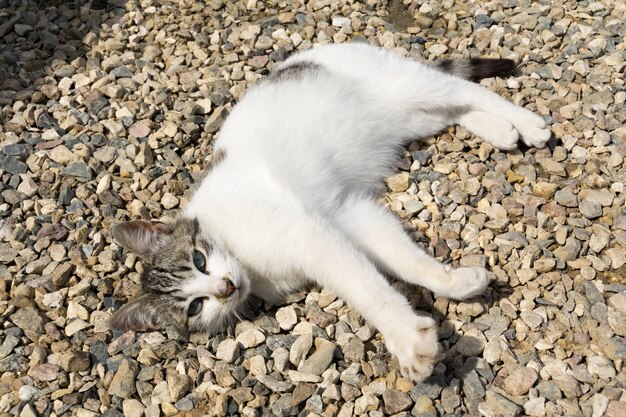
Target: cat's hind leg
column 396, row 84
column 378, row 234
column 490, row 112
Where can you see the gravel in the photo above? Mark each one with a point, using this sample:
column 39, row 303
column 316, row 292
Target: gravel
column 108, row 111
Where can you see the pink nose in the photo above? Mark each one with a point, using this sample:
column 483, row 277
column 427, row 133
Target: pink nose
column 230, row 287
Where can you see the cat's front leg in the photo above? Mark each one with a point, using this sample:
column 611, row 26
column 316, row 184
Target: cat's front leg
column 379, row 234
column 332, row 261
column 415, row 347
column 283, row 241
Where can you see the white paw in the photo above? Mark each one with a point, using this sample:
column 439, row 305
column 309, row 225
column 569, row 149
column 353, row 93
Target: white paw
column 467, row 282
column 504, row 137
column 494, row 129
column 531, row 127
column 416, row 348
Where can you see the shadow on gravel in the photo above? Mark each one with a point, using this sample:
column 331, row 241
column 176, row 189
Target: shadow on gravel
column 42, row 38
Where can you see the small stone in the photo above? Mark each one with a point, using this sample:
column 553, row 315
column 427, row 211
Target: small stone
column 550, row 166
column 286, row 318
column 569, row 251
column 139, row 130
column 520, row 381
column 590, row 209
column 601, row 366
column 545, row 189
column 61, row 155
column 497, row 405
column 29, row 321
column 13, row 165
column 615, row 409
column 301, row 393
column 258, row 61
column 10, row 342
column 169, row 201
column 123, row 382
column 27, row 392
column 28, row 411
column 396, row 401
column 178, row 385
column 75, row 360
column 340, row 21
column 275, row 385
column 424, row 408
column 133, row 408
column 152, row 52
column 300, row 348
column 144, row 156
column 121, row 343
column 227, row 350
column 205, row 105
column 161, row 394
column 618, row 301
column 566, row 197
column 535, row 407
column 22, row 29
column 76, row 326
column 78, row 170
column 251, row 338
column 398, row 182
column 319, row 361
column 469, row 346
column 365, row 404
column 45, row 372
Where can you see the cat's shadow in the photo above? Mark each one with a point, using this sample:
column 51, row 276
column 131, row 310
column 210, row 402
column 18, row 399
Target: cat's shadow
column 462, row 352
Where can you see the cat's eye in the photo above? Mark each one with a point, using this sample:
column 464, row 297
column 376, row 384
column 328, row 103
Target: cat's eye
column 199, row 260
column 195, row 307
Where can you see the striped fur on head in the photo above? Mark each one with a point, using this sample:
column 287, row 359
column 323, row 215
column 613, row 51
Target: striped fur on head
column 172, row 280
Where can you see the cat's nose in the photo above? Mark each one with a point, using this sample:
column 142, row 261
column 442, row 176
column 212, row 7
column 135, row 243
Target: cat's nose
column 230, row 287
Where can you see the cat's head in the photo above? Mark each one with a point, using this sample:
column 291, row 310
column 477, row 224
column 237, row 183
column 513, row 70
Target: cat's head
column 190, row 281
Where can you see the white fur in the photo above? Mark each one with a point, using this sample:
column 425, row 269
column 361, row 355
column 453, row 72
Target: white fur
column 293, row 198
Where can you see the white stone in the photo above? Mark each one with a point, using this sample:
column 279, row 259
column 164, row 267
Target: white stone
column 300, row 348
column 286, row 317
column 227, row 350
column 251, row 338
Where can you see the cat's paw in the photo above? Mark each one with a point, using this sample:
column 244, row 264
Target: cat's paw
column 416, row 348
column 531, row 127
column 502, row 134
column 467, row 282
column 496, row 130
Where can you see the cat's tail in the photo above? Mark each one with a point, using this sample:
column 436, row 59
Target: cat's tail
column 475, row 69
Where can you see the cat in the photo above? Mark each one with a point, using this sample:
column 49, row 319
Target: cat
column 289, row 198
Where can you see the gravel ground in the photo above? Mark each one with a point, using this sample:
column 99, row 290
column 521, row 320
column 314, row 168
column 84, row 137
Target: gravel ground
column 108, row 110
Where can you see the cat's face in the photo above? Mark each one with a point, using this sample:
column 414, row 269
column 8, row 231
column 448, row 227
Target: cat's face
column 190, row 281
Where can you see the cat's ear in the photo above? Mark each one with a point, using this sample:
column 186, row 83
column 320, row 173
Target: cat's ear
column 141, row 237
column 141, row 314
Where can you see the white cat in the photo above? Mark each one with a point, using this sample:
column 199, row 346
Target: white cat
column 290, row 198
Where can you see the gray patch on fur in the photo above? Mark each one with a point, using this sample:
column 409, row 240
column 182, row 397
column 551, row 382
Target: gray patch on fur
column 295, row 71
column 475, row 69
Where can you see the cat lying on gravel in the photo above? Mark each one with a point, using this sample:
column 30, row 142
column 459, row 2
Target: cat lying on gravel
column 290, row 197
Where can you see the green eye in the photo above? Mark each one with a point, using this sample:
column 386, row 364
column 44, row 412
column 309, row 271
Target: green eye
column 195, row 307
column 199, row 260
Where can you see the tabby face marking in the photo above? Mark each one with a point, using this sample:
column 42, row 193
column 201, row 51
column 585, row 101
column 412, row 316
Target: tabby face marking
column 190, row 281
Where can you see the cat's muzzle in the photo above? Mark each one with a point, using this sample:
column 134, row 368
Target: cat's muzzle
column 229, row 289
